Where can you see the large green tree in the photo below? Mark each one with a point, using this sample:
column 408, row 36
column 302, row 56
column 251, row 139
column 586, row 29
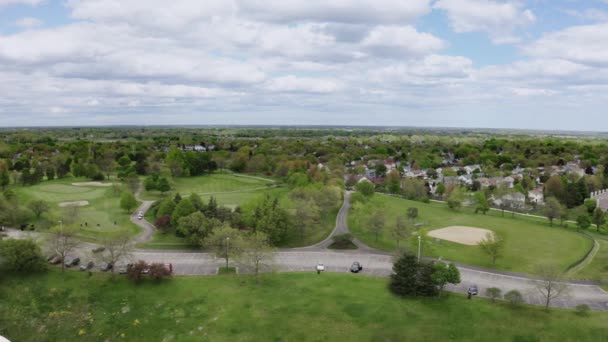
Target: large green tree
column 22, row 256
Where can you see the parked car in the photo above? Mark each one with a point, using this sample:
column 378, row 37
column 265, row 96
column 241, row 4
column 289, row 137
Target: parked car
column 473, row 290
column 50, row 257
column 99, row 250
column 140, row 215
column 56, row 260
column 72, row 262
column 122, row 269
column 320, row 267
column 89, row 265
column 356, row 267
column 106, row 266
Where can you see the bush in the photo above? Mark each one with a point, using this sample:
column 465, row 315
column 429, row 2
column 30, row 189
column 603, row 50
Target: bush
column 343, row 241
column 493, row 293
column 514, row 298
column 135, row 272
column 22, row 256
column 582, row 310
column 159, row 271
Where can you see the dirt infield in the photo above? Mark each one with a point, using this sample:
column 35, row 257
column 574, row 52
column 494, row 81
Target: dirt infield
column 74, row 204
column 459, row 234
column 92, row 184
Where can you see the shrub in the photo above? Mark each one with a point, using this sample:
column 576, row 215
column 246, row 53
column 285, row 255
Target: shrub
column 514, row 298
column 159, row 271
column 22, row 256
column 343, row 241
column 135, row 272
column 163, row 223
column 582, row 310
column 494, row 293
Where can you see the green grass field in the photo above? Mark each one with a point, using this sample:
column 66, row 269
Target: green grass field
column 283, row 307
column 213, row 183
column 597, row 269
column 527, row 241
column 103, row 209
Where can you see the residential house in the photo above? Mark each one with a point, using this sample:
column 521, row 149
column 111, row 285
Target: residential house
column 536, row 195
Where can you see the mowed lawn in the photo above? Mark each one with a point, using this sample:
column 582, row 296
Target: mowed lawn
column 213, row 183
column 282, row 307
column 597, row 269
column 527, row 242
column 103, row 209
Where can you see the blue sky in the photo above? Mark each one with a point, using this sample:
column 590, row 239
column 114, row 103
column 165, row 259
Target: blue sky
column 466, row 63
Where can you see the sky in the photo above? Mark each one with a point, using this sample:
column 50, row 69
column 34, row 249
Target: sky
column 537, row 64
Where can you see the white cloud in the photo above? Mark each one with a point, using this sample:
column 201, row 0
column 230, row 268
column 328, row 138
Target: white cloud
column 587, row 44
column 343, row 11
column 401, row 40
column 28, row 23
column 498, row 19
column 590, row 14
column 528, row 92
column 292, row 83
column 4, row 3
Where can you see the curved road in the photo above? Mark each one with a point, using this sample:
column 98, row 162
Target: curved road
column 375, row 263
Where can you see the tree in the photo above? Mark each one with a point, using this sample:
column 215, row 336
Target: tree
column 196, row 227
column 492, row 245
column 440, row 190
column 401, row 230
column 225, row 242
column 182, row 209
column 63, row 242
column 4, row 177
column 591, row 205
column 550, row 285
column 393, row 182
column 445, row 274
column 411, row 278
column 377, row 222
column 599, row 217
column 365, row 187
column 132, row 183
column 127, row 201
column 412, row 213
column 117, row 247
column 165, row 208
column 21, row 256
column 553, row 209
column 163, row 185
column 135, row 272
column 269, row 217
column 257, row 252
column 307, row 214
column 494, row 293
column 583, row 222
column 481, row 203
column 514, row 298
column 39, row 207
column 160, row 271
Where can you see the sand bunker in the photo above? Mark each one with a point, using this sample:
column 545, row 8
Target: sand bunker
column 74, row 204
column 464, row 235
column 92, row 184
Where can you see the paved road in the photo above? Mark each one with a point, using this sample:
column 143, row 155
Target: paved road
column 375, row 263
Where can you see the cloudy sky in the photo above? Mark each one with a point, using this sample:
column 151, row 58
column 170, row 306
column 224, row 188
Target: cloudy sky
column 464, row 63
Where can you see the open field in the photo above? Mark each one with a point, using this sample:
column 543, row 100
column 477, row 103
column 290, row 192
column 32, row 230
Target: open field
column 527, row 242
column 217, row 182
column 103, row 206
column 597, row 269
column 283, row 307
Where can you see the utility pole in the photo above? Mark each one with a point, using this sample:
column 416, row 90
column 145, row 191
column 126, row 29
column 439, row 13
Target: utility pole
column 419, row 246
column 227, row 243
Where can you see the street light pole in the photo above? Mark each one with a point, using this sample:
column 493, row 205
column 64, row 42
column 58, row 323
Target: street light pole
column 419, row 246
column 227, row 243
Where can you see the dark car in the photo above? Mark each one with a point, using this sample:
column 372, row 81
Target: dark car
column 356, row 267
column 473, row 290
column 106, row 266
column 89, row 265
column 72, row 262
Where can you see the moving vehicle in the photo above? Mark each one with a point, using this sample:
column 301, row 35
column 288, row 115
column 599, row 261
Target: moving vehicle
column 140, row 215
column 356, row 267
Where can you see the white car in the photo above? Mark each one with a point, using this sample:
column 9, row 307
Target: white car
column 320, row 267
column 140, row 215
